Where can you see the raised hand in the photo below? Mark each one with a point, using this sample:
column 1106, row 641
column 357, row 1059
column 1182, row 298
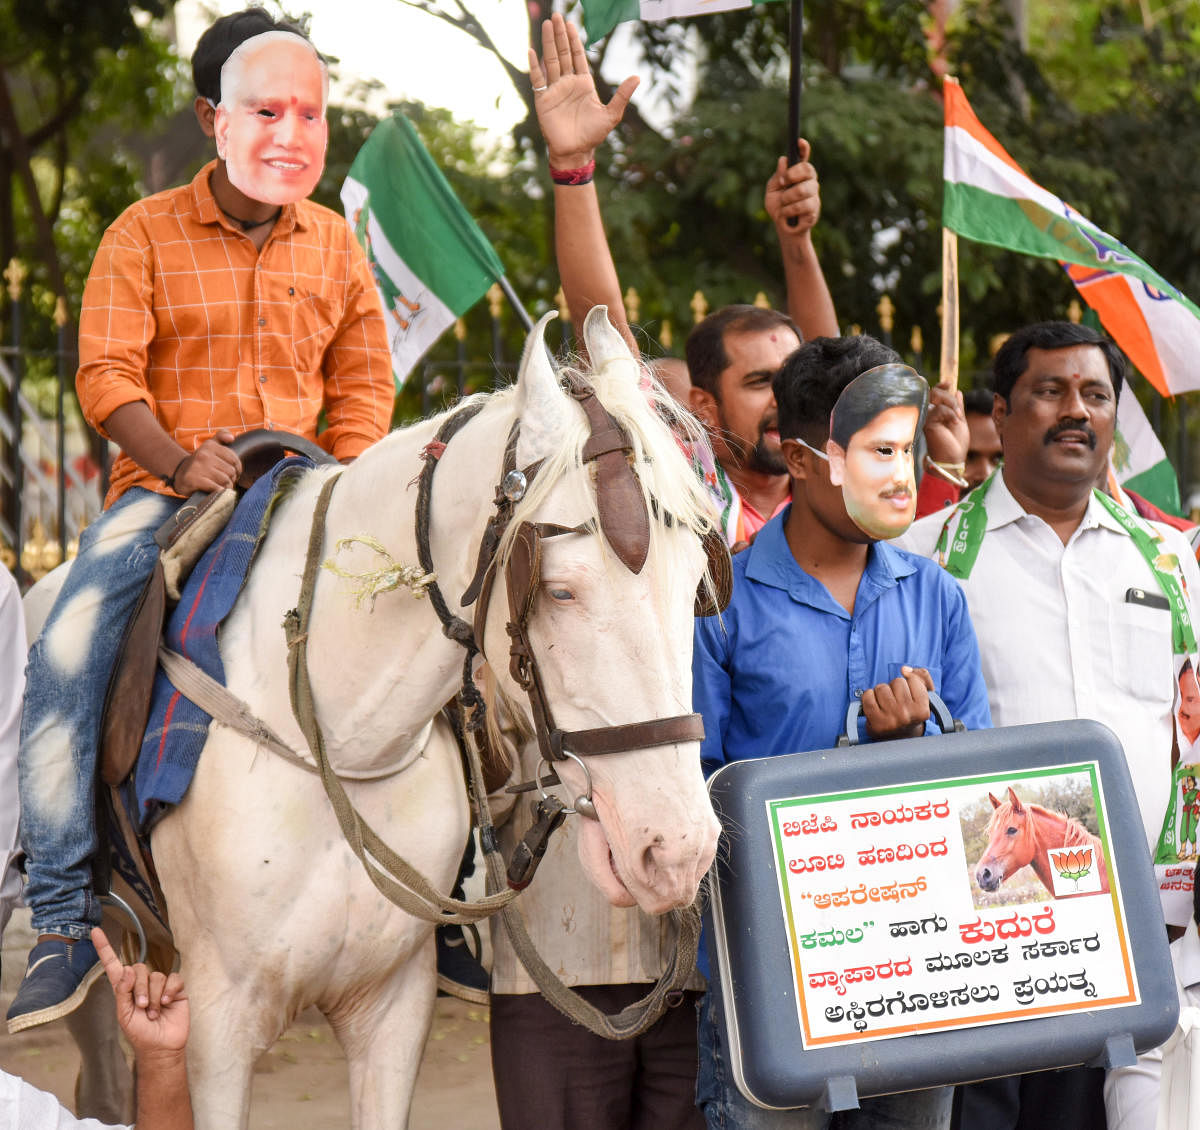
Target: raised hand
column 794, row 192
column 572, row 118
column 947, row 436
column 152, row 1008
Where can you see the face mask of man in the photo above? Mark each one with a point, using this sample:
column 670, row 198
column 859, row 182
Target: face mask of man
column 270, row 126
column 873, row 431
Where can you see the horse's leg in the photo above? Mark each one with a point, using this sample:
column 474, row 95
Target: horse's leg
column 383, row 1034
column 104, row 1089
column 223, row 1044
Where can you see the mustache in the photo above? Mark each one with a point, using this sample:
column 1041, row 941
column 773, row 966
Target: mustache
column 1070, row 426
column 897, row 492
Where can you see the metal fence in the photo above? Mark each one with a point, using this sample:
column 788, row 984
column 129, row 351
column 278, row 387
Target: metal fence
column 49, row 475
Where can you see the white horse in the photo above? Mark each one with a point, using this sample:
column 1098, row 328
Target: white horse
column 270, row 909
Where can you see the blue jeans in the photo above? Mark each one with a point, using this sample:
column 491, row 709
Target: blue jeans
column 65, row 683
column 726, row 1108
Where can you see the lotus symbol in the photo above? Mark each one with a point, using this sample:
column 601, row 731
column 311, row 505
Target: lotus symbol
column 1073, row 865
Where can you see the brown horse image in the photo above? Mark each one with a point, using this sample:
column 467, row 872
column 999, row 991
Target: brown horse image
column 1021, row 834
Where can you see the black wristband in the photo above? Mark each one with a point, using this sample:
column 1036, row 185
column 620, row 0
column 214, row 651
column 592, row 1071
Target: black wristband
column 169, row 480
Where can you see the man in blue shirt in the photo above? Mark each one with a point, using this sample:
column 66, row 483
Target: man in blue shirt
column 822, row 613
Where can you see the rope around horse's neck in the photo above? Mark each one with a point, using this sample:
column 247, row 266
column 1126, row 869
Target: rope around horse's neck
column 396, row 879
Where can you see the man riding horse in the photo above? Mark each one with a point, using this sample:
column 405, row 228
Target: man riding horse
column 229, row 304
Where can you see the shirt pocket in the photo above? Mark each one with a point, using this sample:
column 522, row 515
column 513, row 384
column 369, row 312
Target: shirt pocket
column 313, row 324
column 1140, row 645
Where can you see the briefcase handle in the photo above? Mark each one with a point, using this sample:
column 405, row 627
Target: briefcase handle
column 937, row 709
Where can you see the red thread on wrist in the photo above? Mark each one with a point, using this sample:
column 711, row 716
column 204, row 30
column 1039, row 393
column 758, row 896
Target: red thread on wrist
column 582, row 175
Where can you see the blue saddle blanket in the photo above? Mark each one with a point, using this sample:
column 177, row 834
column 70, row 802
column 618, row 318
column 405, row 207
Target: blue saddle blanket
column 177, row 728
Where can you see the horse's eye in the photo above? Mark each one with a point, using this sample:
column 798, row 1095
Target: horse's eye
column 1011, row 832
column 561, row 594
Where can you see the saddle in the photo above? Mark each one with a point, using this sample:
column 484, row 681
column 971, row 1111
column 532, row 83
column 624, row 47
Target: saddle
column 182, row 541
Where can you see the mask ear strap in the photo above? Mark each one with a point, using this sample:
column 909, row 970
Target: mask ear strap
column 810, row 447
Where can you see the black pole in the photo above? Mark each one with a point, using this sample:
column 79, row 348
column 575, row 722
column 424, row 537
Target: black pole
column 14, row 419
column 515, row 303
column 795, row 87
column 60, row 426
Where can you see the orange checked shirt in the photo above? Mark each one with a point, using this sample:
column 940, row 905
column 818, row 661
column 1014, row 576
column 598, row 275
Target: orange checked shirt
column 183, row 312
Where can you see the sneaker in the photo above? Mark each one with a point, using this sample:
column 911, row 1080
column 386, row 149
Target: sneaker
column 459, row 971
column 56, row 981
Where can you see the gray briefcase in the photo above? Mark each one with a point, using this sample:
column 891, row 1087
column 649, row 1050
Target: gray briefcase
column 937, row 910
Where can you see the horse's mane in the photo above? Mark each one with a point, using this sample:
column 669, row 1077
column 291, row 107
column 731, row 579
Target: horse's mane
column 667, row 478
column 1073, row 831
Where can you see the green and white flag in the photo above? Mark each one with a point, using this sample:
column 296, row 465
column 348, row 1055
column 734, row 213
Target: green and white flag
column 1138, row 459
column 429, row 258
column 601, row 16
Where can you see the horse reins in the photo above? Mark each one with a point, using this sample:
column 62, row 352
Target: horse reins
column 623, row 520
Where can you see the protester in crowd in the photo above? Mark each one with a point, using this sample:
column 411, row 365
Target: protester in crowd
column 574, row 122
column 1057, row 577
column 611, row 956
column 152, row 1010
column 733, row 353
column 983, row 446
column 208, row 312
column 1136, row 1103
column 855, row 617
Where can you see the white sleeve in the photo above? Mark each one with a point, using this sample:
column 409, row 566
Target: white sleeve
column 24, row 1107
column 12, row 687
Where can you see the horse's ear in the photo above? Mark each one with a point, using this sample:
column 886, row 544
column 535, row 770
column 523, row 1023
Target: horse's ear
column 1014, row 801
column 995, row 802
column 606, row 347
column 541, row 402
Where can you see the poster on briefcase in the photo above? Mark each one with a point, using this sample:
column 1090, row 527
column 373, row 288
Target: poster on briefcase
column 941, row 905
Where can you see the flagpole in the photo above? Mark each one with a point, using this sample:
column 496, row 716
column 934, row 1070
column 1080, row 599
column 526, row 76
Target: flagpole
column 515, row 303
column 948, row 373
column 795, row 87
column 948, row 368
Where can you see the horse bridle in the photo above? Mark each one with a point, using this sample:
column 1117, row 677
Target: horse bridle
column 624, row 521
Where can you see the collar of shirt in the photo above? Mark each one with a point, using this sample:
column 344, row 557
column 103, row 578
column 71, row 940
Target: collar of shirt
column 1002, row 509
column 770, row 562
column 206, row 210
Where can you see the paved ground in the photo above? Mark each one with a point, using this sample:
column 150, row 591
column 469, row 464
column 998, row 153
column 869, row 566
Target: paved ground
column 301, row 1083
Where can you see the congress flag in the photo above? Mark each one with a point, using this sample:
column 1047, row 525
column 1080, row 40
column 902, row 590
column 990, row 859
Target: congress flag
column 989, row 198
column 601, row 16
column 429, row 258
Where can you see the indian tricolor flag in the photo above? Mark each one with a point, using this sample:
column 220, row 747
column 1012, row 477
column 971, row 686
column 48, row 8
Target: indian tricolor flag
column 601, row 16
column 430, row 261
column 989, row 198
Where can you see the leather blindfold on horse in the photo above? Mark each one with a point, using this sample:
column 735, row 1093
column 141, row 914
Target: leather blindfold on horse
column 624, row 521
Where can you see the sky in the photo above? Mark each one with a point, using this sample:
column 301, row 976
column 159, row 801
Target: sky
column 419, row 57
column 413, row 54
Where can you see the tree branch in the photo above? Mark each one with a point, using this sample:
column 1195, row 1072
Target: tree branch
column 19, row 150
column 58, row 121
